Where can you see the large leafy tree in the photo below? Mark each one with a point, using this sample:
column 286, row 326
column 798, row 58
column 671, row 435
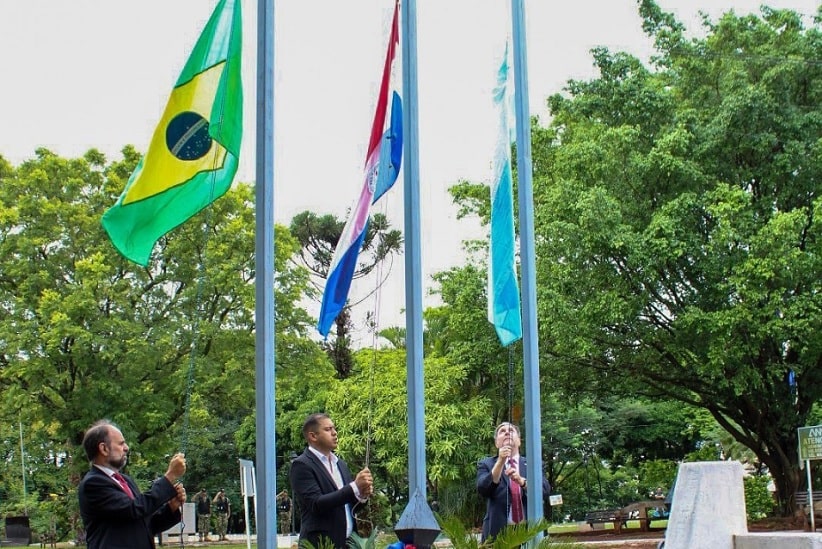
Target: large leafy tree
column 466, row 337
column 167, row 352
column 318, row 236
column 678, row 228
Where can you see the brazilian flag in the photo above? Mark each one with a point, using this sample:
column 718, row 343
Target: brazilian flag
column 194, row 152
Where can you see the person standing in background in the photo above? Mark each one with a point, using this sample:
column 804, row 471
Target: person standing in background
column 284, row 512
column 222, row 508
column 203, row 514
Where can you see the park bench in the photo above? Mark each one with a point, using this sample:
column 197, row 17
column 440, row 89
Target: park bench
column 48, row 538
column 604, row 516
column 644, row 512
column 801, row 499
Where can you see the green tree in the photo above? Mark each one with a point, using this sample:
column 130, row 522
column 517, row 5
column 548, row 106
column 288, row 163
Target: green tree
column 678, row 223
column 370, row 409
column 318, row 236
column 465, row 337
column 86, row 334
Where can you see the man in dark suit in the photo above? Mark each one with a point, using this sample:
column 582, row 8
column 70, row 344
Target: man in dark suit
column 115, row 513
column 503, row 481
column 323, row 486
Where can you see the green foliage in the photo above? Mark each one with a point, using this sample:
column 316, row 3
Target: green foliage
column 467, row 338
column 374, row 401
column 325, row 543
column 357, row 542
column 706, row 452
column 86, row 334
column 318, row 236
column 509, row 538
column 759, row 502
column 678, row 229
column 655, row 474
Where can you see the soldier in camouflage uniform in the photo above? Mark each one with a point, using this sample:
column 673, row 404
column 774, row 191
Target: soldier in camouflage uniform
column 284, row 512
column 222, row 508
column 203, row 506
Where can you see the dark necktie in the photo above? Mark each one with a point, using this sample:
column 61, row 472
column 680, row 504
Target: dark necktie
column 123, row 484
column 516, row 496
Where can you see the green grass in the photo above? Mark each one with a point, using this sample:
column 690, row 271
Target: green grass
column 563, row 528
column 567, row 527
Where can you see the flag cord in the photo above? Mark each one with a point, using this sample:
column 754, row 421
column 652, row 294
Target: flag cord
column 375, row 321
column 202, row 271
column 203, row 264
column 510, row 405
column 511, row 384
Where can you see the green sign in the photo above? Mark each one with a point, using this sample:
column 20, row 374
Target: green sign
column 810, row 442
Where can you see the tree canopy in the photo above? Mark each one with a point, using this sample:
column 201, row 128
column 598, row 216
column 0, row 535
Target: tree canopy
column 85, row 334
column 678, row 227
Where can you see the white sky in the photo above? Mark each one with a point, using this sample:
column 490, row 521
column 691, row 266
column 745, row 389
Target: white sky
column 97, row 73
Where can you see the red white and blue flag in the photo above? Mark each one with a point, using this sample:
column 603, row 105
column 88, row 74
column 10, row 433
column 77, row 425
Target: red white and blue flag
column 382, row 165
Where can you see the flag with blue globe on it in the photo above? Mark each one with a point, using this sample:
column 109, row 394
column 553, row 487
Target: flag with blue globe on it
column 194, row 152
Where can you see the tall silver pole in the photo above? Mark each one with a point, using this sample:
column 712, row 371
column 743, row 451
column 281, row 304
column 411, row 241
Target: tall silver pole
column 810, row 494
column 533, row 429
column 264, row 289
column 23, row 467
column 413, row 261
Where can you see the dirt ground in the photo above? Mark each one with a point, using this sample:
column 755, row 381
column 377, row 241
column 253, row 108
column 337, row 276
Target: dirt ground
column 633, row 540
column 649, row 540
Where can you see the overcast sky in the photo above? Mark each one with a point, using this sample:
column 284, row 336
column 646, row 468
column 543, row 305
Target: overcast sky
column 97, row 73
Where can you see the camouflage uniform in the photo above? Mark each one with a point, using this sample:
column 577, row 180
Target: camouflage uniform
column 222, row 507
column 284, row 512
column 203, row 504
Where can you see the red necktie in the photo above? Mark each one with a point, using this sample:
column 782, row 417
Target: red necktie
column 123, row 484
column 516, row 497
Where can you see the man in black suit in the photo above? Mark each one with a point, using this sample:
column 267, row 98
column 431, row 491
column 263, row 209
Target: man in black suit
column 323, row 486
column 115, row 513
column 502, row 481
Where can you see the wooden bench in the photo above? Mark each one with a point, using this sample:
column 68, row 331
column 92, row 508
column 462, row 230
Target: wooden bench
column 801, row 499
column 604, row 516
column 639, row 511
column 48, row 539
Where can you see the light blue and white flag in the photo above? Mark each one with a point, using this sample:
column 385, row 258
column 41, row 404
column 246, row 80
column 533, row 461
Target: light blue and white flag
column 503, row 288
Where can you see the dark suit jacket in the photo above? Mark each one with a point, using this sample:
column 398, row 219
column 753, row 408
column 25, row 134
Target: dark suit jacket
column 321, row 503
column 497, row 496
column 113, row 520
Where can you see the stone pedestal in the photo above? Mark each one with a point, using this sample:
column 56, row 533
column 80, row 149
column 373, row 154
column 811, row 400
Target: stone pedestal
column 708, row 508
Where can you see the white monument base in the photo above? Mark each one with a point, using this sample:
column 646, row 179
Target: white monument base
column 708, row 507
column 189, row 525
column 779, row 540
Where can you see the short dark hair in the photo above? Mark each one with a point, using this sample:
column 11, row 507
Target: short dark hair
column 100, row 431
column 312, row 422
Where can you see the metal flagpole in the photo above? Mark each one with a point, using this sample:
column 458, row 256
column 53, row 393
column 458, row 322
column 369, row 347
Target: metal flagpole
column 417, row 525
column 413, row 262
column 23, row 467
column 533, row 428
column 264, row 502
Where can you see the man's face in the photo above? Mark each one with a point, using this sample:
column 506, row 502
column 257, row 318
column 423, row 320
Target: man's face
column 507, row 435
column 324, row 438
column 115, row 451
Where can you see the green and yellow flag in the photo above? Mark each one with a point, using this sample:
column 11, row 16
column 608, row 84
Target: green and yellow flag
column 194, row 152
